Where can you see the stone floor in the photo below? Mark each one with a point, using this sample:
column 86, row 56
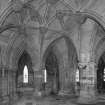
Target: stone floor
column 51, row 100
column 55, row 100
column 29, row 99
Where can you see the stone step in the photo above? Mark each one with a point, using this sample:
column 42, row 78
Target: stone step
column 101, row 98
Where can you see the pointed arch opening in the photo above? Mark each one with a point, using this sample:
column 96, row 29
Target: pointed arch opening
column 25, row 74
column 60, row 62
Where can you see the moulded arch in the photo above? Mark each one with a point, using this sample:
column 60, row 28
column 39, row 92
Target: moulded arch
column 87, row 13
column 94, row 16
column 13, row 43
column 16, row 54
column 52, row 43
column 6, row 12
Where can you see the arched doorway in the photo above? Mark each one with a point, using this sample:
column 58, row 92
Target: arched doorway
column 24, row 75
column 101, row 75
column 60, row 62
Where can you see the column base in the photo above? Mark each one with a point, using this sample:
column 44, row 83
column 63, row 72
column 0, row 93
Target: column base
column 86, row 98
column 65, row 92
column 5, row 100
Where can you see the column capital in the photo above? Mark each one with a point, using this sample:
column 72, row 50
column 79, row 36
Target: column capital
column 82, row 65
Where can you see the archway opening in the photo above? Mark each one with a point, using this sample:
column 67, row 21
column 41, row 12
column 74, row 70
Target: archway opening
column 101, row 75
column 24, row 76
column 52, row 69
column 60, row 63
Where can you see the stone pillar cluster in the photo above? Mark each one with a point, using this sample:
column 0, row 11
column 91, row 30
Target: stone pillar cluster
column 0, row 84
column 7, row 85
column 87, row 63
column 87, row 82
column 37, row 82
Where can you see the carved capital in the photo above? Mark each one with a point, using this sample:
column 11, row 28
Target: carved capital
column 82, row 66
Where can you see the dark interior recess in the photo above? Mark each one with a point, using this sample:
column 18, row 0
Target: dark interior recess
column 100, row 76
column 52, row 68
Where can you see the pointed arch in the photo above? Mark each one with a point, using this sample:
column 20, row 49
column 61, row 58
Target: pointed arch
column 52, row 43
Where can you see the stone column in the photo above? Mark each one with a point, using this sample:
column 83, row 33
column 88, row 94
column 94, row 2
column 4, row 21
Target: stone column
column 5, row 86
column 10, row 85
column 13, row 83
column 87, row 82
column 61, row 78
column 66, row 75
column 10, row 82
column 3, row 82
column 0, row 83
column 37, row 82
column 87, row 64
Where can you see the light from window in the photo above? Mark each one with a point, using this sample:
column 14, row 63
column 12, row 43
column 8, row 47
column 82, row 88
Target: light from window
column 45, row 75
column 77, row 75
column 104, row 75
column 25, row 74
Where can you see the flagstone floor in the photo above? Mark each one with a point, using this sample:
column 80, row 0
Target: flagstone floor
column 55, row 100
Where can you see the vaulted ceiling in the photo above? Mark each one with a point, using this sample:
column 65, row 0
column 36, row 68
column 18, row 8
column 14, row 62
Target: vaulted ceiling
column 41, row 12
column 20, row 18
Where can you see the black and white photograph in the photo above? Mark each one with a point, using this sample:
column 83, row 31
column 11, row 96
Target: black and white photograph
column 52, row 52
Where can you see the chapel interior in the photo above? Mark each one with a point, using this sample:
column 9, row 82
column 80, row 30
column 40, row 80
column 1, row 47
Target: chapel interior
column 52, row 52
